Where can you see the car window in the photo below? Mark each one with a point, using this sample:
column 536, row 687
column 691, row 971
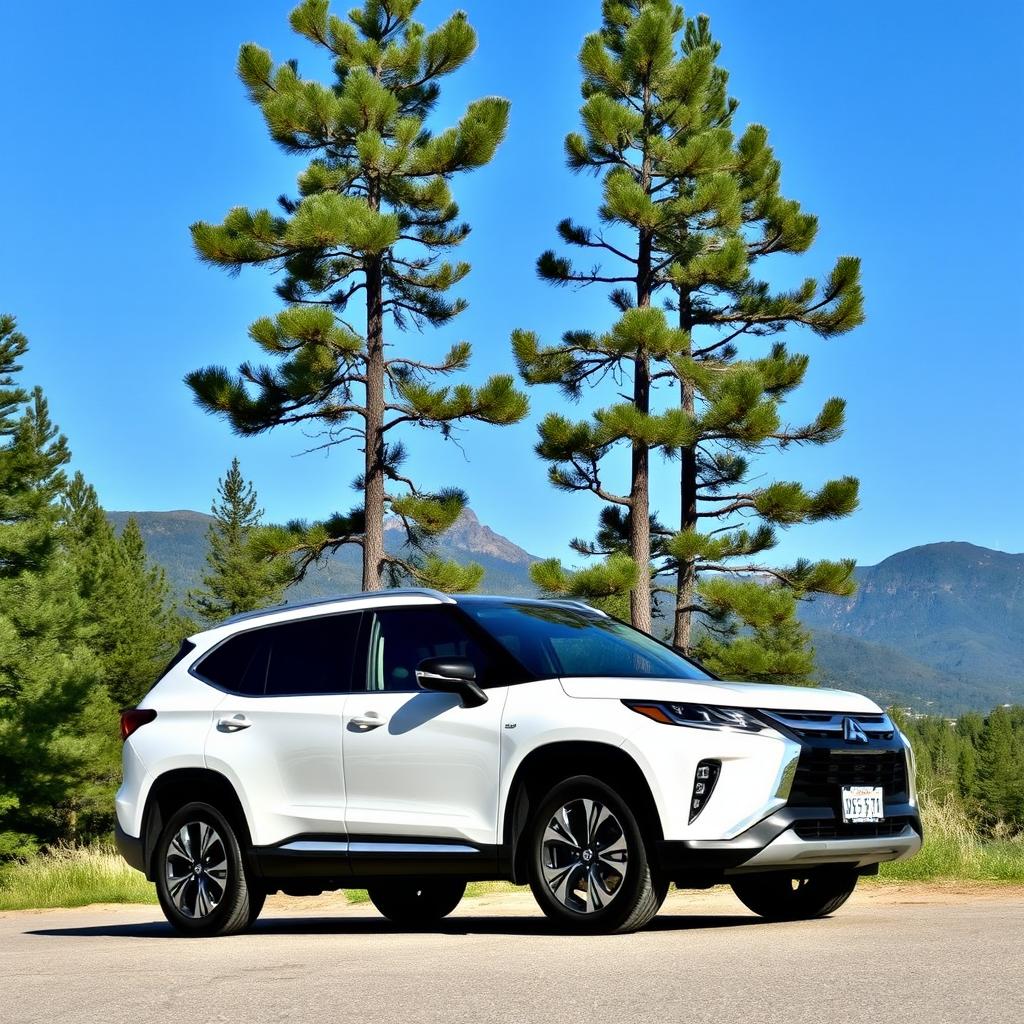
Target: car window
column 400, row 638
column 552, row 640
column 239, row 664
column 308, row 656
column 312, row 655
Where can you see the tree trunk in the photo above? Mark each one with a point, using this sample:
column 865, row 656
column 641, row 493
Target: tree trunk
column 373, row 495
column 639, row 492
column 686, row 574
column 640, row 509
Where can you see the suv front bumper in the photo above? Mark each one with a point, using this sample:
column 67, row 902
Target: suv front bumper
column 774, row 845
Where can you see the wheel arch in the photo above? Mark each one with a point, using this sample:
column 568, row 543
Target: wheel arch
column 546, row 765
column 181, row 786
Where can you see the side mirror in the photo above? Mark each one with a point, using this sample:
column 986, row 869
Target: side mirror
column 451, row 675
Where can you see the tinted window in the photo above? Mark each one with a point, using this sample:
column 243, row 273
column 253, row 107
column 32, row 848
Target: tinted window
column 307, row 656
column 239, row 664
column 555, row 641
column 401, row 638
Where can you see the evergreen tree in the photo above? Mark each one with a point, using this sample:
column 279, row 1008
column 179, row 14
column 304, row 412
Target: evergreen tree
column 688, row 210
column 969, row 728
column 1000, row 777
column 753, row 633
column 128, row 620
column 142, row 629
column 238, row 580
column 372, row 222
column 48, row 680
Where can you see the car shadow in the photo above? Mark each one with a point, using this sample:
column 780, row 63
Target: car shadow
column 378, row 926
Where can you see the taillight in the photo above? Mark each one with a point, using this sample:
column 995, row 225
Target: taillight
column 133, row 718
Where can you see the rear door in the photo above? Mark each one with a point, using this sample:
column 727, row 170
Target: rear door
column 278, row 730
column 417, row 764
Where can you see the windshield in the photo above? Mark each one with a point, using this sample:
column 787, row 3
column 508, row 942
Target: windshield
column 552, row 640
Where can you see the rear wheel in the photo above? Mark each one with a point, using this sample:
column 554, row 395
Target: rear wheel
column 415, row 902
column 200, row 874
column 796, row 897
column 589, row 869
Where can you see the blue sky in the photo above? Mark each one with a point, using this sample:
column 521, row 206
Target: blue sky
column 898, row 124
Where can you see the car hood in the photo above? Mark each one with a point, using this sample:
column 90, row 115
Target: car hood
column 735, row 695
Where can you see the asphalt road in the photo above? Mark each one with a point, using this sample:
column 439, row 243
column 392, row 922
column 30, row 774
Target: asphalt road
column 909, row 955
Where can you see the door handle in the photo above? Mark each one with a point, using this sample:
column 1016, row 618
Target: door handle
column 371, row 720
column 233, row 724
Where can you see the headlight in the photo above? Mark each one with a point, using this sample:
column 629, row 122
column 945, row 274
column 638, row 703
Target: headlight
column 696, row 716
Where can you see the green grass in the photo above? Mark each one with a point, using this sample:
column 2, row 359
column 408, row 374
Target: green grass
column 954, row 851
column 72, row 876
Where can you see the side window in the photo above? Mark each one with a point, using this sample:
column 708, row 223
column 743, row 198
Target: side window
column 239, row 664
column 400, row 638
column 307, row 656
column 312, row 655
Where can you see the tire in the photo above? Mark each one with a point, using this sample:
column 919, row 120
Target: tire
column 256, row 901
column 589, row 866
column 216, row 899
column 417, row 902
column 796, row 897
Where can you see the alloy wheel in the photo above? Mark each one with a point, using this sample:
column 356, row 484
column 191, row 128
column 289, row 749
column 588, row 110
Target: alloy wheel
column 584, row 855
column 196, row 867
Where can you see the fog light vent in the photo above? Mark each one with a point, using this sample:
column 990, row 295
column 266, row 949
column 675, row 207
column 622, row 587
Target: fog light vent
column 703, row 786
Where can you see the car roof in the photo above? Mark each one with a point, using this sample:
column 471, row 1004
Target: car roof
column 377, row 598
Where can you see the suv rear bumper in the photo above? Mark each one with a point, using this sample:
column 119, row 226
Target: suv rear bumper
column 773, row 845
column 130, row 848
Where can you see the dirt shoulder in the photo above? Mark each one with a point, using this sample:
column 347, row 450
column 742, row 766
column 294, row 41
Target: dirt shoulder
column 720, row 900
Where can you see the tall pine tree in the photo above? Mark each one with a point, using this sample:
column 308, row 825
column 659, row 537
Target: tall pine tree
column 237, row 578
column 49, row 680
column 688, row 210
column 370, row 227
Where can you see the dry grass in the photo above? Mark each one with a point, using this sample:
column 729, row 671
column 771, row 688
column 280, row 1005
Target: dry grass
column 72, row 876
column 954, row 850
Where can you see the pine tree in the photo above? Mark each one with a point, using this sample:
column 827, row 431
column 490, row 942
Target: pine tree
column 688, row 209
column 371, row 225
column 49, row 681
column 238, row 580
column 753, row 633
column 142, row 627
column 128, row 619
column 1000, row 776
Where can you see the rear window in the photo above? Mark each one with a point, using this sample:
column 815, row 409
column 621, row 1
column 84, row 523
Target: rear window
column 308, row 656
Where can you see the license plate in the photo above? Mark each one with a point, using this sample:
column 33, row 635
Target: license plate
column 863, row 803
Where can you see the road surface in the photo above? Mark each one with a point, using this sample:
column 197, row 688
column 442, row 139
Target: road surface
column 908, row 954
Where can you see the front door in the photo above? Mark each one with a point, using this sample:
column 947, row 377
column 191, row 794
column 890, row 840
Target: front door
column 418, row 765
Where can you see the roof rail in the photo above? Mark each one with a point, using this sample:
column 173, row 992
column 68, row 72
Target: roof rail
column 570, row 603
column 284, row 606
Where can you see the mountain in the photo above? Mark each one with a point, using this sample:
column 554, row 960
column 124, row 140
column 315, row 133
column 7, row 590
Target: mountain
column 177, row 541
column 946, row 620
column 938, row 628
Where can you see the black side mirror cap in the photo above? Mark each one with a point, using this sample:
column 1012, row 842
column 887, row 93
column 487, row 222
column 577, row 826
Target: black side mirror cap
column 451, row 675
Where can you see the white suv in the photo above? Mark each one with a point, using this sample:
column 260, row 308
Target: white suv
column 407, row 742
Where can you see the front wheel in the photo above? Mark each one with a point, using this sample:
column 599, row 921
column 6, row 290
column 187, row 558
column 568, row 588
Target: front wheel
column 417, row 903
column 796, row 897
column 589, row 869
column 201, row 880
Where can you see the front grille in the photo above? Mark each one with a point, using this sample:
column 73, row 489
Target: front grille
column 829, row 828
column 828, row 725
column 821, row 773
